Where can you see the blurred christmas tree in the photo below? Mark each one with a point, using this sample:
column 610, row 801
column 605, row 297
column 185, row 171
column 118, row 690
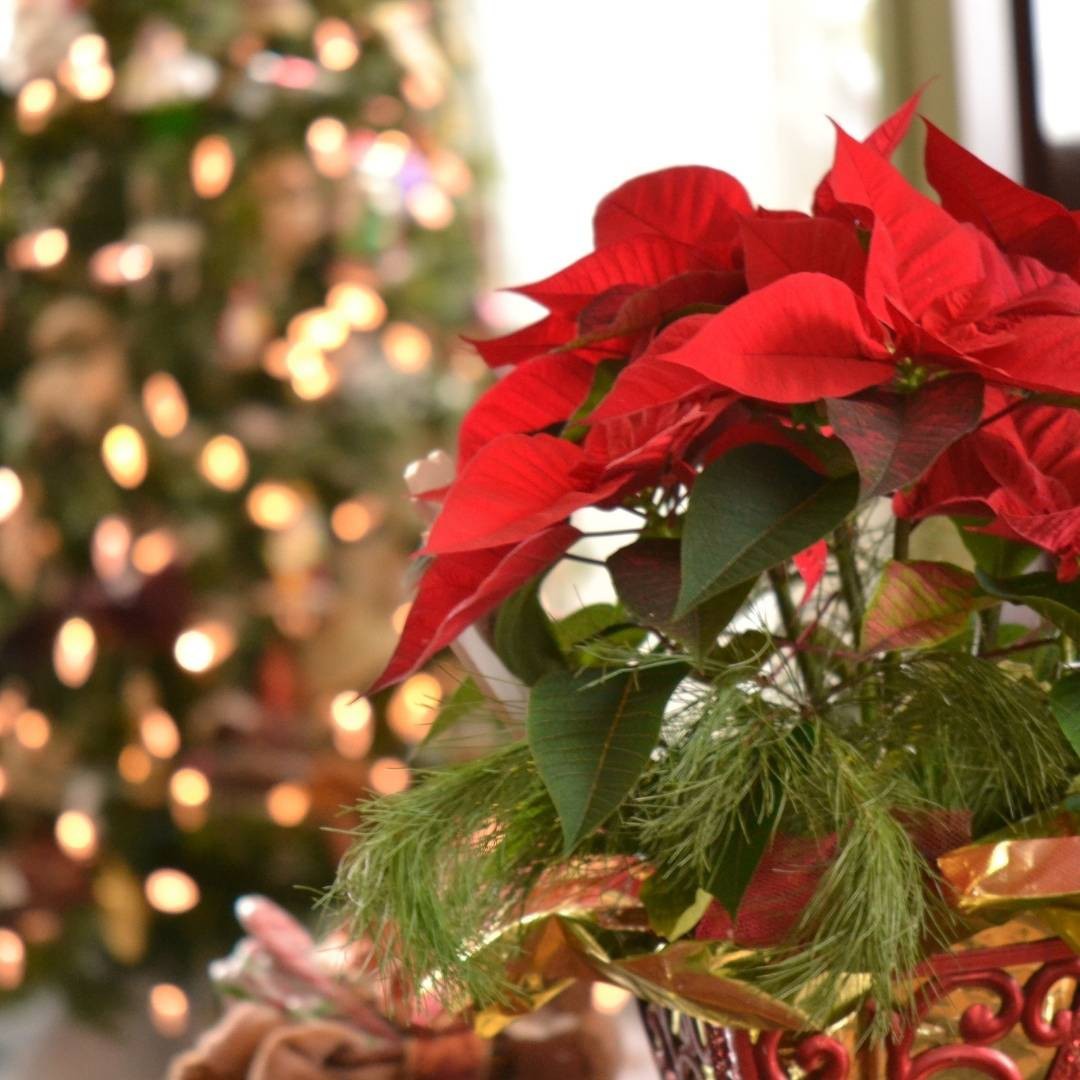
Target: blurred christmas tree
column 238, row 257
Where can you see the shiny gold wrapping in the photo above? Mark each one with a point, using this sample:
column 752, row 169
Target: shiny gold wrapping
column 1030, row 885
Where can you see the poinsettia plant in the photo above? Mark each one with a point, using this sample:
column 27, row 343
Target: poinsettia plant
column 786, row 721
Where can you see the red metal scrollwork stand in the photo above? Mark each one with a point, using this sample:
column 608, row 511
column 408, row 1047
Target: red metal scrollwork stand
column 686, row 1049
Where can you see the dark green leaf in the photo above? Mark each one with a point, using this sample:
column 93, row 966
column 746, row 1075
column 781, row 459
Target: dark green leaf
column 751, row 510
column 646, row 576
column 1065, row 705
column 523, row 637
column 737, row 860
column 591, row 740
column 673, row 909
column 1058, row 601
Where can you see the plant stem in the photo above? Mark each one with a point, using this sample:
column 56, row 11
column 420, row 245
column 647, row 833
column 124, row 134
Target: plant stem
column 901, row 539
column 989, row 620
column 851, row 586
column 808, row 668
column 850, row 582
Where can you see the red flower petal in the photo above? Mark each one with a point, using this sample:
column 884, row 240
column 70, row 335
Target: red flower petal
column 537, row 393
column 626, row 310
column 638, row 260
column 515, row 486
column 1020, row 221
column 649, row 381
column 883, row 140
column 811, row 566
column 918, row 252
column 804, row 337
column 1044, row 354
column 775, row 247
column 532, row 340
column 456, row 590
column 689, row 204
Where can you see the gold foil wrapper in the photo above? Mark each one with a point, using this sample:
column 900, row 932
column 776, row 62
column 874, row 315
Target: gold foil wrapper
column 584, row 926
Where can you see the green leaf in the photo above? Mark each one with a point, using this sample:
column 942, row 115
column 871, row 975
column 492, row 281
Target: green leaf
column 673, row 909
column 607, row 371
column 467, row 700
column 920, row 604
column 523, row 637
column 750, row 510
column 743, row 648
column 1065, row 705
column 1057, row 601
column 995, row 555
column 587, row 622
column 647, row 576
column 591, row 739
column 738, row 858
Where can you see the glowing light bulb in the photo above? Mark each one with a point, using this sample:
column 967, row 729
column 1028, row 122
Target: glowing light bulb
column 76, row 835
column 12, row 959
column 204, row 646
column 74, row 652
column 212, row 165
column 165, row 404
column 413, row 707
column 361, row 305
column 11, row 492
column 386, row 156
column 275, row 358
column 110, row 547
column 325, row 328
column 153, row 551
column 326, row 136
column 169, row 1010
column 288, row 804
column 351, row 724
column 121, row 263
column 4, row 781
column 32, row 729
column 124, row 453
column 224, row 463
column 430, row 206
column 389, row 775
column 352, row 520
column 273, row 505
column 189, row 787
column 88, row 50
column 134, row 764
column 407, row 347
column 422, row 92
column 350, row 712
column 159, row 733
column 336, row 45
column 172, row 892
column 90, row 82
column 608, row 998
column 35, row 102
column 311, row 375
column 450, row 171
column 41, row 250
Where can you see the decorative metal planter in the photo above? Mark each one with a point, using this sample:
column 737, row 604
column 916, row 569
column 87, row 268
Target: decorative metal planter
column 1010, row 1011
